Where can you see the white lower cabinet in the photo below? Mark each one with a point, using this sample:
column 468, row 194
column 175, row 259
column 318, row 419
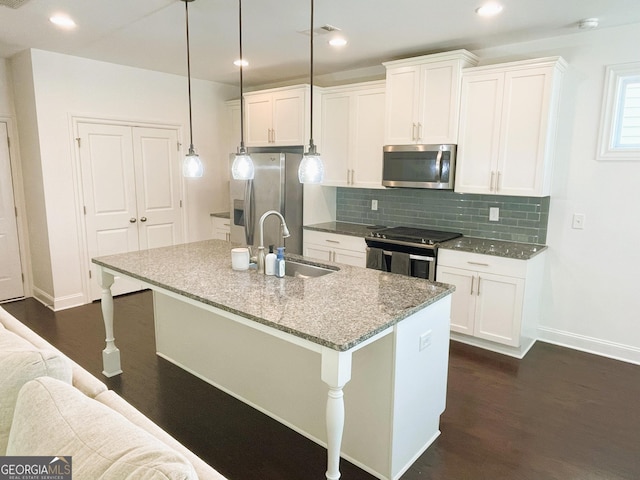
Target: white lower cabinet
column 332, row 247
column 496, row 299
column 221, row 228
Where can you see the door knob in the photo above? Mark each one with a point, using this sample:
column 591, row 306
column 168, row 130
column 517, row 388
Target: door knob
column 143, row 219
column 132, row 220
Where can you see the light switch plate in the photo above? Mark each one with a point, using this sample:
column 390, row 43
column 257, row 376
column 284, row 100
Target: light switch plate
column 374, row 204
column 494, row 214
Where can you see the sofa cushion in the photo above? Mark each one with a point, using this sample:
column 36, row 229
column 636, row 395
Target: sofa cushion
column 52, row 417
column 20, row 362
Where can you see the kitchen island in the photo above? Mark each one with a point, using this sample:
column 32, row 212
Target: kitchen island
column 277, row 344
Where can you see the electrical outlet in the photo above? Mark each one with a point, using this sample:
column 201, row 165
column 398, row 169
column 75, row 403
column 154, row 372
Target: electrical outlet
column 494, row 214
column 374, row 204
column 425, row 340
column 578, row 221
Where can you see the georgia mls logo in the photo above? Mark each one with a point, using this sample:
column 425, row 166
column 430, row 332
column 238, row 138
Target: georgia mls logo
column 35, row 468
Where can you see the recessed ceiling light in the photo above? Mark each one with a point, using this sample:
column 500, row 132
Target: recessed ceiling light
column 489, row 9
column 63, row 21
column 588, row 23
column 338, row 42
column 239, row 62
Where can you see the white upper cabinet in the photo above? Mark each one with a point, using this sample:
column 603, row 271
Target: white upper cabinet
column 423, row 98
column 277, row 117
column 507, row 127
column 351, row 133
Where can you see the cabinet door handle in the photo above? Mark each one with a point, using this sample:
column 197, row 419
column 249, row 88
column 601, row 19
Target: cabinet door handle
column 498, row 182
column 273, row 135
column 143, row 219
column 413, row 132
column 419, row 131
column 472, row 280
column 478, row 263
column 493, row 175
column 332, row 241
column 353, row 174
column 479, row 280
column 133, row 220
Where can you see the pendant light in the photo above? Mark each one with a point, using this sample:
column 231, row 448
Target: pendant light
column 242, row 167
column 191, row 165
column 311, row 169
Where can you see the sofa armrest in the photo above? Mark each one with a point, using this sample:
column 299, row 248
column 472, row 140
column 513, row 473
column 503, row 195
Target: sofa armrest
column 82, row 380
column 117, row 403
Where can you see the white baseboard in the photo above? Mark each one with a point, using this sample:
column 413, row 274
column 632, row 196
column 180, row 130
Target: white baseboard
column 616, row 351
column 43, row 297
column 517, row 352
column 58, row 303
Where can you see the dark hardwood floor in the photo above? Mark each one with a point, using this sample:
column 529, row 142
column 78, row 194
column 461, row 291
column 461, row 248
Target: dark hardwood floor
column 557, row 414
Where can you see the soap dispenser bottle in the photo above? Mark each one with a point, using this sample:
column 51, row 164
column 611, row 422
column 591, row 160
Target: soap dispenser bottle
column 270, row 262
column 280, row 263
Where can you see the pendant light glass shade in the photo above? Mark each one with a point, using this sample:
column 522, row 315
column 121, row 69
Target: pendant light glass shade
column 242, row 167
column 311, row 169
column 191, row 165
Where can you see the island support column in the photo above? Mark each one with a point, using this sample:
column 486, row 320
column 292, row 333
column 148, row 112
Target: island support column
column 111, row 354
column 336, row 372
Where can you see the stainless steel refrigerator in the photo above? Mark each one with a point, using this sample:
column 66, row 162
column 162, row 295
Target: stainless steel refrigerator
column 275, row 187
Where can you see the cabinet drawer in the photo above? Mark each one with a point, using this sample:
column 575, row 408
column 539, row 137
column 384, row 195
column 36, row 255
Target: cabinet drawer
column 333, row 240
column 482, row 263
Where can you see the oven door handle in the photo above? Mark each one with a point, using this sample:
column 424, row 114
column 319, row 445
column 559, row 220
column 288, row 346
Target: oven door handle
column 412, row 256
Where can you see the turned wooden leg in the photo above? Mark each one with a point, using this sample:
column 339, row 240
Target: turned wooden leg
column 111, row 354
column 336, row 372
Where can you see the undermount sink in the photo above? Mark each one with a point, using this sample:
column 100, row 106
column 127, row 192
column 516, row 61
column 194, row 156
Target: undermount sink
column 305, row 270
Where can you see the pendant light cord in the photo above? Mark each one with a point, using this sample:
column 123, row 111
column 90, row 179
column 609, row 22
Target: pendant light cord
column 241, row 68
column 311, row 82
column 186, row 7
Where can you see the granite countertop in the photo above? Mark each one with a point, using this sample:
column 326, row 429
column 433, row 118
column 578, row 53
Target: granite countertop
column 220, row 214
column 338, row 310
column 498, row 248
column 344, row 228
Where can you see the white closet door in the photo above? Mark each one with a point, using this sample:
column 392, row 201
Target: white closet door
column 157, row 173
column 10, row 266
column 109, row 188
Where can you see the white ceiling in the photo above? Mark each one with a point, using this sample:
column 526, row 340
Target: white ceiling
column 151, row 33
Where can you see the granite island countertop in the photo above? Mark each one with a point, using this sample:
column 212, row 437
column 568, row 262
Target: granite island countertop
column 338, row 310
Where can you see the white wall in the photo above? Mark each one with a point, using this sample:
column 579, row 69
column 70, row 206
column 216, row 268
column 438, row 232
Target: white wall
column 66, row 86
column 591, row 296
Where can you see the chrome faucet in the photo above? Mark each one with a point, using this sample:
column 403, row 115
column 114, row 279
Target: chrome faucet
column 285, row 234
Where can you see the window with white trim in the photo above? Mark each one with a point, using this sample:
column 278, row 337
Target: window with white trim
column 620, row 124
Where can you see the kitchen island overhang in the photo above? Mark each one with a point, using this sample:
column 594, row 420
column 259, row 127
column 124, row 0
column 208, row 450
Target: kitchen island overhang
column 399, row 323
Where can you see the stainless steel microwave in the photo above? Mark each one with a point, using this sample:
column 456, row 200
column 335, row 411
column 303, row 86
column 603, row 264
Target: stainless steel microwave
column 419, row 166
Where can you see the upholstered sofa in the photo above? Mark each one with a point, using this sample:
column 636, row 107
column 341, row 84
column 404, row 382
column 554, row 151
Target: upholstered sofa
column 51, row 406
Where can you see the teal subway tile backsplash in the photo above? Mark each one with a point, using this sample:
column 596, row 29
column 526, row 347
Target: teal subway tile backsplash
column 521, row 219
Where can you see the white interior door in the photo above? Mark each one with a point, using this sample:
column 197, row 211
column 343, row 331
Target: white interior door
column 131, row 188
column 156, row 157
column 108, row 181
column 10, row 266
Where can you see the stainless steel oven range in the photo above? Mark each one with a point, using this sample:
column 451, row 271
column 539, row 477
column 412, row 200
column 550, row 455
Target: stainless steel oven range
column 416, row 248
